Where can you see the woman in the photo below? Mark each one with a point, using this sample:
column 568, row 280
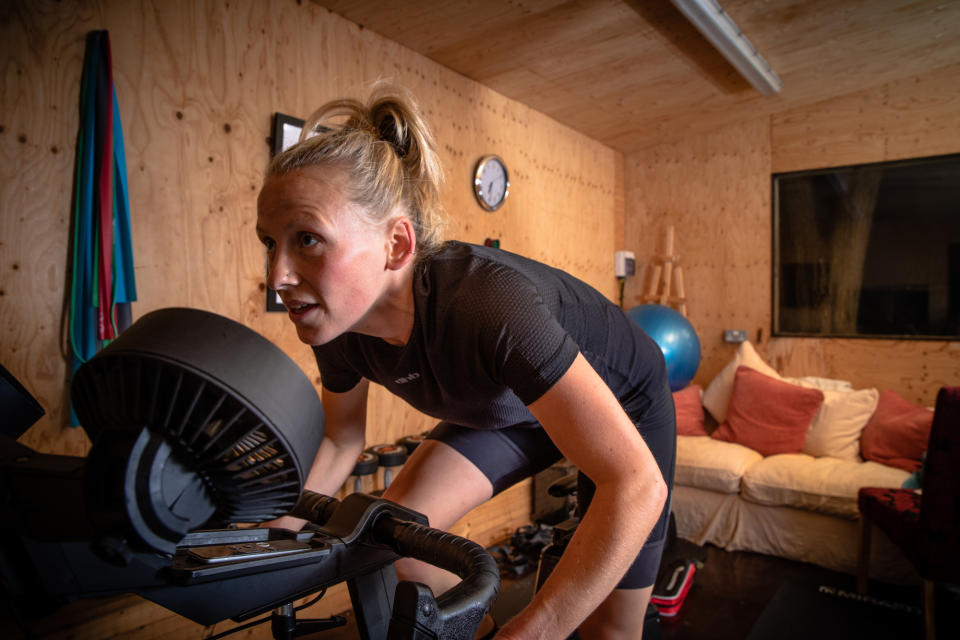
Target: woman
column 521, row 363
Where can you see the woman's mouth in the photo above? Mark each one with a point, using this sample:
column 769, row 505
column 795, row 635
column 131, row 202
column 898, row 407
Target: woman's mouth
column 299, row 309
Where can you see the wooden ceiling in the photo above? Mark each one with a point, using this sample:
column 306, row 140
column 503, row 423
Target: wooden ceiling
column 635, row 73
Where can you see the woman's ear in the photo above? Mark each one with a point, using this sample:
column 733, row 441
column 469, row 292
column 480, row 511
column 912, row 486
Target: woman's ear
column 401, row 243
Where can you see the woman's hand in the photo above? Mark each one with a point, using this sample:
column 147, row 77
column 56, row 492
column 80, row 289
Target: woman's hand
column 284, row 522
column 346, row 422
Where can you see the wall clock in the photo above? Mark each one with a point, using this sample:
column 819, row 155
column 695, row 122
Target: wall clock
column 491, row 184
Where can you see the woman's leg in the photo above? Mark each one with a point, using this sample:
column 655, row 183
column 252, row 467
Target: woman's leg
column 456, row 469
column 441, row 483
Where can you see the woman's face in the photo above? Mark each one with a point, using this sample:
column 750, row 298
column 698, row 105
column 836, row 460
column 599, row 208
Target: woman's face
column 324, row 258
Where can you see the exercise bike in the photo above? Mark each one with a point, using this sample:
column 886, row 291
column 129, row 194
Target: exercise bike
column 200, row 429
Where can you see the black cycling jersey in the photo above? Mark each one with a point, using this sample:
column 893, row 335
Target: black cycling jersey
column 493, row 331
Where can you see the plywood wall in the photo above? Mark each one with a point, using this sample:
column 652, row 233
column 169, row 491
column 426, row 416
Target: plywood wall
column 715, row 189
column 197, row 84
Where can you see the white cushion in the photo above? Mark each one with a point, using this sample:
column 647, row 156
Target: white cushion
column 716, row 397
column 839, row 422
column 824, row 384
column 712, row 464
column 826, row 485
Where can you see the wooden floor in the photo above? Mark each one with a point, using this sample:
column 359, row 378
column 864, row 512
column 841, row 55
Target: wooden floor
column 730, row 592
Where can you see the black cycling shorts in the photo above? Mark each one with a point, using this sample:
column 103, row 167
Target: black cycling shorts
column 506, row 456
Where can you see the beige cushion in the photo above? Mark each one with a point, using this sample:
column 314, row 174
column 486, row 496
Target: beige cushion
column 839, row 422
column 710, row 464
column 824, row 384
column 826, row 485
column 716, row 397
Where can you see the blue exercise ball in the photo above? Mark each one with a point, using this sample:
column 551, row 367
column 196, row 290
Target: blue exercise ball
column 676, row 338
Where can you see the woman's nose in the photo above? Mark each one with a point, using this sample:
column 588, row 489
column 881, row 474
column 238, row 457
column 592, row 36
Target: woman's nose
column 280, row 272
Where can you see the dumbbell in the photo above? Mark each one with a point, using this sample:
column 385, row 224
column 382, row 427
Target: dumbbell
column 390, row 455
column 367, row 464
column 411, row 442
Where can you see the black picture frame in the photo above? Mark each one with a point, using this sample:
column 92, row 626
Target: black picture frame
column 286, row 133
column 273, row 301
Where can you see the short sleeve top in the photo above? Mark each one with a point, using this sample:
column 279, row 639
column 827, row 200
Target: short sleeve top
column 493, row 331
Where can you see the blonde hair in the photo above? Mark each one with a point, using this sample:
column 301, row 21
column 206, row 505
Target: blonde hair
column 388, row 153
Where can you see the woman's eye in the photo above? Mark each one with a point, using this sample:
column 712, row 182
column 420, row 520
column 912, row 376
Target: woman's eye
column 268, row 243
column 308, row 240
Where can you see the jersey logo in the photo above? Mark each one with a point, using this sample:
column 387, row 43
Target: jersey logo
column 408, row 378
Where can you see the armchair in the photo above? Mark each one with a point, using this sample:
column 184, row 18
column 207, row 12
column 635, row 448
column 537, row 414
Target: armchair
column 926, row 524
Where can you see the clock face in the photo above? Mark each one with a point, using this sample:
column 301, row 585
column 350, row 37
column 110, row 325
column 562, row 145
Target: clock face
column 491, row 183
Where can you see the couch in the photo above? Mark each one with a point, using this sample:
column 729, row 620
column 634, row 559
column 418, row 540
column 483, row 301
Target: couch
column 773, row 465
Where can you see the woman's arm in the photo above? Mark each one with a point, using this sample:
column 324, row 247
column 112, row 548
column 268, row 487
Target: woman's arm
column 346, row 421
column 588, row 425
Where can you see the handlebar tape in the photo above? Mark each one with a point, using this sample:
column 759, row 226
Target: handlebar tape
column 314, row 507
column 480, row 582
column 461, row 608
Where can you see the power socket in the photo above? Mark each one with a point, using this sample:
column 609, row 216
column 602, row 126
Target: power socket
column 735, row 335
column 624, row 264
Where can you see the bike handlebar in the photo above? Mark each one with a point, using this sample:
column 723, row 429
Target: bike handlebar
column 417, row 613
column 480, row 582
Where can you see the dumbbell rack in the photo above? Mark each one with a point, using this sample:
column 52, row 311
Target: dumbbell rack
column 388, row 457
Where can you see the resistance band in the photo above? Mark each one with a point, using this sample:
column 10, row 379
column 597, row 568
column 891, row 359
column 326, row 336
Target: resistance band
column 103, row 284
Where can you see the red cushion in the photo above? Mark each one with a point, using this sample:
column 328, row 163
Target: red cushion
column 897, row 433
column 768, row 415
column 690, row 418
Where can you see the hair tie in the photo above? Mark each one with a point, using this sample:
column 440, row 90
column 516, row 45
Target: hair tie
column 389, row 126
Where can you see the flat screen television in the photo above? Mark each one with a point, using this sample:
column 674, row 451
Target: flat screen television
column 870, row 250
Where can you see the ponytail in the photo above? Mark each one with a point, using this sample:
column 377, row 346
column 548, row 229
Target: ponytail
column 387, row 151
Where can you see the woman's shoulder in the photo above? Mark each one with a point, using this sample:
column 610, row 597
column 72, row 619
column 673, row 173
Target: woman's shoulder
column 465, row 260
column 462, row 271
column 475, row 291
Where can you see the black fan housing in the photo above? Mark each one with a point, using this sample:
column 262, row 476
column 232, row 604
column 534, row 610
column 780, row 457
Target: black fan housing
column 194, row 418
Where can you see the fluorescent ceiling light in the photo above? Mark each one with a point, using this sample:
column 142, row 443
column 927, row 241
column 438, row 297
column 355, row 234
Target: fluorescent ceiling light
column 714, row 23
